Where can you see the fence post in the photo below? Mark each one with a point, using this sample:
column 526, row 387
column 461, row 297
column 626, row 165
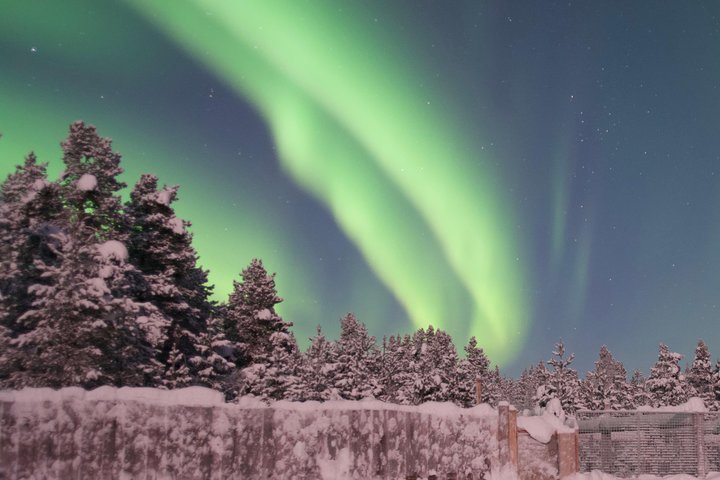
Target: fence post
column 513, row 437
column 507, row 436
column 503, row 433
column 698, row 419
column 568, row 461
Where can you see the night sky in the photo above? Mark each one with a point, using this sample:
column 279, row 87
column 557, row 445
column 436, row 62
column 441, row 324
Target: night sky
column 519, row 171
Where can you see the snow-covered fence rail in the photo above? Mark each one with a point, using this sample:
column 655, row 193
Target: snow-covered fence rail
column 628, row 443
column 192, row 433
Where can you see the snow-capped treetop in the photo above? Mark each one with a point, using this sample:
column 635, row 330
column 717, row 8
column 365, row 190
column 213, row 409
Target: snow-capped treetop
column 250, row 316
column 27, row 178
column 561, row 382
column 700, row 375
column 666, row 384
column 355, row 376
column 606, row 388
column 90, row 181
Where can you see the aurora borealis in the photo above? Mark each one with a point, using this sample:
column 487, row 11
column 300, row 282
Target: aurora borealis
column 516, row 172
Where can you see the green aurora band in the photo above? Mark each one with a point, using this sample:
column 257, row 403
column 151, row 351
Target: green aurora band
column 352, row 128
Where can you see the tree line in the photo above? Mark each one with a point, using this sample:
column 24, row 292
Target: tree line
column 96, row 291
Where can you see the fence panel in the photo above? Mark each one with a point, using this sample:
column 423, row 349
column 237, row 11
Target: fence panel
column 628, row 443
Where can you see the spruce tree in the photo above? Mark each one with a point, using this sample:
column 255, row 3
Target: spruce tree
column 357, row 369
column 561, row 381
column 527, row 386
column 217, row 358
column 475, row 366
column 700, row 375
column 715, row 406
column 639, row 396
column 90, row 183
column 666, row 384
column 82, row 329
column 160, row 246
column 30, row 208
column 395, row 370
column 319, row 366
column 250, row 316
column 606, row 388
column 438, row 365
column 275, row 374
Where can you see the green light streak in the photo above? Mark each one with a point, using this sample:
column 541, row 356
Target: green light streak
column 38, row 123
column 336, row 97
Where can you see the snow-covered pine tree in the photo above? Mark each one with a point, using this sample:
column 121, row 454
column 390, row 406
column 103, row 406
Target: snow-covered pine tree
column 561, row 381
column 401, row 369
column 474, row 366
column 358, row 361
column 82, row 329
column 217, row 354
column 666, row 384
column 606, row 387
column 396, row 373
column 715, row 406
column 513, row 392
column 90, row 183
column 28, row 202
column 160, row 246
column 529, row 381
column 700, row 375
column 494, row 388
column 318, row 368
column 638, row 394
column 438, row 366
column 250, row 317
column 275, row 374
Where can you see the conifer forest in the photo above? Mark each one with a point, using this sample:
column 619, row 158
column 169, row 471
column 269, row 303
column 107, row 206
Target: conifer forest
column 95, row 290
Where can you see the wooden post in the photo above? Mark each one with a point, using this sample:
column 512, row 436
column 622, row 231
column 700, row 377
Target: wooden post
column 478, row 391
column 568, row 461
column 503, row 433
column 513, row 438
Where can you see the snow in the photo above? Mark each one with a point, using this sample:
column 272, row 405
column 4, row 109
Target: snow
column 112, row 249
column 264, row 314
column 86, row 183
column 441, row 409
column 154, row 433
column 542, row 427
column 190, row 396
column 694, row 404
column 176, row 225
column 164, row 197
column 97, row 287
column 338, row 468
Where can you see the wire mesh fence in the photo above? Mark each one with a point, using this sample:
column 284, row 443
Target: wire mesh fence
column 628, row 443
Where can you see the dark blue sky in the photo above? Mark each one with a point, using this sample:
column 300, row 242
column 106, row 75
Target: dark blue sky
column 573, row 145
